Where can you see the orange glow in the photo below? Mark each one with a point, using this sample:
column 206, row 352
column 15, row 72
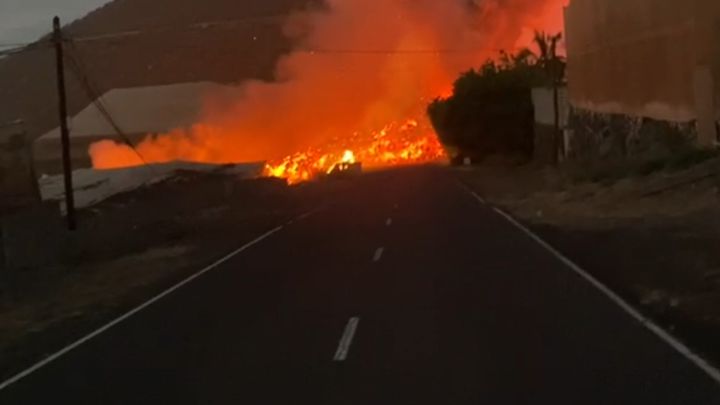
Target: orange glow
column 348, row 157
column 393, row 145
column 359, row 81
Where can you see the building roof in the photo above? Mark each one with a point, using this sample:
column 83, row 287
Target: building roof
column 143, row 110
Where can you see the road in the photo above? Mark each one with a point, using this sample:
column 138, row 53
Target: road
column 406, row 290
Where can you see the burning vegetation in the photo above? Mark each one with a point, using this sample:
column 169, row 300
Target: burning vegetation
column 355, row 89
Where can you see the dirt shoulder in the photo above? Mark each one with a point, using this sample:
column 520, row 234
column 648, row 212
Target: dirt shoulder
column 652, row 238
column 133, row 246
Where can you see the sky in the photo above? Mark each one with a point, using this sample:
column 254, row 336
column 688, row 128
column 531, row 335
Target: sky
column 23, row 21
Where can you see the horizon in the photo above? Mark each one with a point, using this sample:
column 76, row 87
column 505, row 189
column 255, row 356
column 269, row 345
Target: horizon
column 25, row 21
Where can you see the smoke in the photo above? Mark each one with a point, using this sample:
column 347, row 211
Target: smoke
column 357, row 65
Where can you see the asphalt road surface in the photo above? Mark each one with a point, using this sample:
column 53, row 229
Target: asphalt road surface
column 406, row 290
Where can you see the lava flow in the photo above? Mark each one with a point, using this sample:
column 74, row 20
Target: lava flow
column 393, row 145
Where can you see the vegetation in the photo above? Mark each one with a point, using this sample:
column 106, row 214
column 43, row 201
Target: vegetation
column 491, row 111
column 607, row 173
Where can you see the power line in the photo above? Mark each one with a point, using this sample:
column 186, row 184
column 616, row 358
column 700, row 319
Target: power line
column 274, row 19
column 97, row 100
column 345, row 51
column 18, row 48
column 12, row 51
column 271, row 19
column 14, row 45
column 394, row 51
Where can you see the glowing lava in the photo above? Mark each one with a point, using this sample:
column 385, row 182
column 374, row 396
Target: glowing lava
column 393, row 145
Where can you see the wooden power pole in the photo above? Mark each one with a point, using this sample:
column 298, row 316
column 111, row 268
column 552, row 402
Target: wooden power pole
column 64, row 132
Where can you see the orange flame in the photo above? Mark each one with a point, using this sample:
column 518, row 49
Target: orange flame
column 393, row 145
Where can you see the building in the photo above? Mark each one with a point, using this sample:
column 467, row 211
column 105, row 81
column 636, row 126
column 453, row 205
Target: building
column 158, row 42
column 136, row 111
column 643, row 74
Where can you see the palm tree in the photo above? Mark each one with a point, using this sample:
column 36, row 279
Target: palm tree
column 548, row 58
column 521, row 59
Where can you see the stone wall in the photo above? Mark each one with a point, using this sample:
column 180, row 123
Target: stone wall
column 616, row 136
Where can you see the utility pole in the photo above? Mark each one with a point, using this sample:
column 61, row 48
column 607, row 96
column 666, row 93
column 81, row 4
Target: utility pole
column 64, row 132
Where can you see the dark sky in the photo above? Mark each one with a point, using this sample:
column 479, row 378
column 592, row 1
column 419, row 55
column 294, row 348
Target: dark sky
column 25, row 20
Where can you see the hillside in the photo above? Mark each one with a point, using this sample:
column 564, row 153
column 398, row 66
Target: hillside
column 169, row 50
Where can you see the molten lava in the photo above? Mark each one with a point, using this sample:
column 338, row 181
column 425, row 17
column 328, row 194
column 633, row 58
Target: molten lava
column 393, row 145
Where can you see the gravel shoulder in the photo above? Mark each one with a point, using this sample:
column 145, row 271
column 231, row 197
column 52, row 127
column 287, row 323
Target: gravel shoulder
column 651, row 238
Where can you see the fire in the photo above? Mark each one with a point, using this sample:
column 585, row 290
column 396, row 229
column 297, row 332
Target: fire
column 355, row 87
column 348, row 157
column 393, row 145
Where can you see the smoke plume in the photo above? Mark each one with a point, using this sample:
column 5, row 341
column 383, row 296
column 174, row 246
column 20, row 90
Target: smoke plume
column 357, row 65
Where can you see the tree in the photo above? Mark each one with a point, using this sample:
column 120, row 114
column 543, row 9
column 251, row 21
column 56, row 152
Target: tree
column 548, row 58
column 491, row 110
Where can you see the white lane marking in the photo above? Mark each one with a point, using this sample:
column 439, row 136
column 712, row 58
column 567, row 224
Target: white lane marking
column 77, row 343
column 307, row 215
column 471, row 192
column 389, row 222
column 711, row 371
column 378, row 254
column 346, row 340
column 304, row 216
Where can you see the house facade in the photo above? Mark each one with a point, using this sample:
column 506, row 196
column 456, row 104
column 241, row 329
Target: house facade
column 643, row 74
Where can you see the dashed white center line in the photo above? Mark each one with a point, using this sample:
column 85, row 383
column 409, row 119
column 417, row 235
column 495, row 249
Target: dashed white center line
column 346, row 340
column 389, row 222
column 378, row 254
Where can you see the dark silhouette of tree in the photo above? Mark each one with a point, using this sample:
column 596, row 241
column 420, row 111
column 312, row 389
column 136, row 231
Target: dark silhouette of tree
column 491, row 111
column 548, row 58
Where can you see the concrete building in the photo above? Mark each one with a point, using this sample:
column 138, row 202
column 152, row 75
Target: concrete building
column 643, row 73
column 547, row 138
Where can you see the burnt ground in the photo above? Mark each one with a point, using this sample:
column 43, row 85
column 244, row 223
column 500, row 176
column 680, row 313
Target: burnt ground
column 133, row 246
column 653, row 239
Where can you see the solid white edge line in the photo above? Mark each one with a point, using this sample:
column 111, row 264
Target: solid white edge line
column 303, row 216
column 471, row 192
column 109, row 325
column 378, row 254
column 346, row 340
column 307, row 215
column 705, row 366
